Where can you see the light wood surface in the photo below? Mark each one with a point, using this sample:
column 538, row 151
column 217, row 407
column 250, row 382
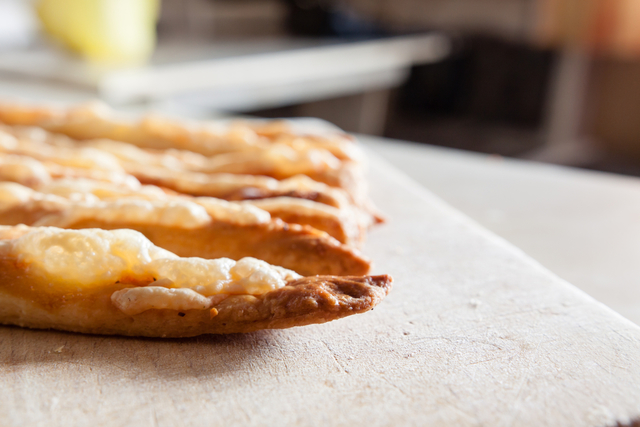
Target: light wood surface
column 582, row 225
column 474, row 333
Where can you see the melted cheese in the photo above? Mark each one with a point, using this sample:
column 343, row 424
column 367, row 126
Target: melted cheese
column 181, row 214
column 133, row 301
column 279, row 158
column 23, row 170
column 219, row 210
column 77, row 260
column 236, row 213
column 165, row 211
column 83, row 258
column 96, row 119
column 32, row 133
column 73, row 156
column 12, row 194
column 111, row 155
column 292, row 162
column 71, row 188
column 300, row 207
column 169, row 158
column 7, row 141
column 78, row 207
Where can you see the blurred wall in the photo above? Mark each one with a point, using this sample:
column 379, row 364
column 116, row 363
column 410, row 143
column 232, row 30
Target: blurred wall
column 514, row 19
column 222, row 19
column 604, row 27
column 614, row 117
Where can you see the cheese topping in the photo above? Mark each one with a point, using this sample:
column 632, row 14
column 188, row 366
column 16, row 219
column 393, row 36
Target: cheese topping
column 71, row 188
column 277, row 157
column 132, row 301
column 301, row 207
column 93, row 258
column 96, row 119
column 181, row 214
column 237, row 213
column 12, row 193
column 112, row 155
column 307, row 133
column 171, row 213
column 172, row 159
column 7, row 141
column 145, row 204
column 83, row 258
column 31, row 133
column 73, row 156
column 292, row 161
column 24, row 170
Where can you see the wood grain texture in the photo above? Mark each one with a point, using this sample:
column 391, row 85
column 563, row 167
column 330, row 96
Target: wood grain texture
column 474, row 333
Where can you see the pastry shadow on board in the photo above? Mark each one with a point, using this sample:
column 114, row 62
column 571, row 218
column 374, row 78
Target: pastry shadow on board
column 167, row 358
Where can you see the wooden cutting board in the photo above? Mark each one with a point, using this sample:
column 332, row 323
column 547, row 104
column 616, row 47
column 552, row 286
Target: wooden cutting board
column 474, row 333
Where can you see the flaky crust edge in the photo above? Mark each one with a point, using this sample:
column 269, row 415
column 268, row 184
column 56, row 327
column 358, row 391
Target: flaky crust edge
column 304, row 301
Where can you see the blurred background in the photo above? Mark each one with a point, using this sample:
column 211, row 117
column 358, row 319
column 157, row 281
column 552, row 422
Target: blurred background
column 550, row 80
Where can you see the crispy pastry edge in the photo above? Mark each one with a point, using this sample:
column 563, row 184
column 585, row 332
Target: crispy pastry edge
column 309, row 300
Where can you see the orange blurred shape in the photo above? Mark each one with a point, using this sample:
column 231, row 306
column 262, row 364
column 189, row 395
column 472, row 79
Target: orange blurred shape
column 600, row 26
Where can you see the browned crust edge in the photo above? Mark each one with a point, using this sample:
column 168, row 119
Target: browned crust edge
column 309, row 300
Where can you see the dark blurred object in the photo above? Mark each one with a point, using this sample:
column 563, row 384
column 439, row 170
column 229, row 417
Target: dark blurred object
column 327, row 18
column 488, row 79
column 489, row 96
column 615, row 114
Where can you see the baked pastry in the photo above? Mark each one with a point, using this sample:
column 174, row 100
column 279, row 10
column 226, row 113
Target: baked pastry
column 347, row 225
column 203, row 227
column 341, row 224
column 32, row 173
column 96, row 120
column 269, row 149
column 276, row 160
column 117, row 282
column 215, row 177
column 93, row 186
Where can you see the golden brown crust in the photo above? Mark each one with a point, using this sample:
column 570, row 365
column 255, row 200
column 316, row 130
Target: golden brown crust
column 341, row 224
column 336, row 229
column 27, row 213
column 236, row 187
column 301, row 302
column 300, row 248
column 305, row 301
